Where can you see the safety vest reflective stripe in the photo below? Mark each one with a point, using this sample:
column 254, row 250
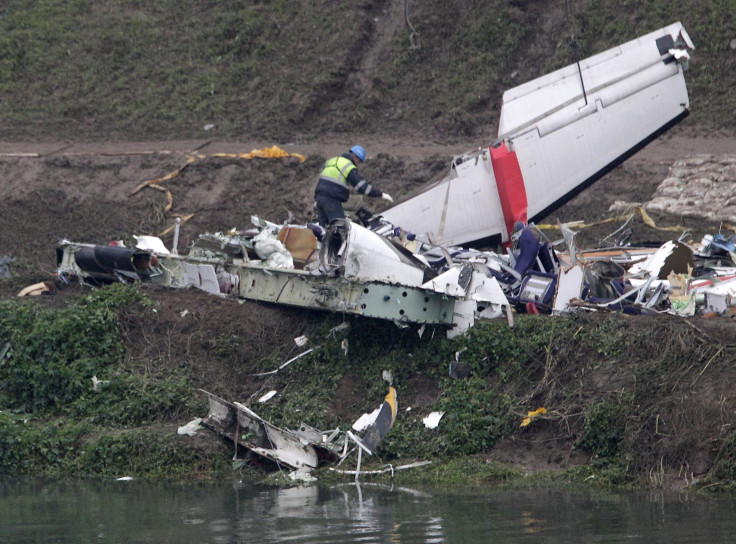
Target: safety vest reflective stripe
column 337, row 170
column 363, row 187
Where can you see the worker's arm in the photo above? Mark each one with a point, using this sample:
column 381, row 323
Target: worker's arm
column 362, row 186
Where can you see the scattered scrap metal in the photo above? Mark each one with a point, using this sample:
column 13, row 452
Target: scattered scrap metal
column 381, row 271
column 304, row 449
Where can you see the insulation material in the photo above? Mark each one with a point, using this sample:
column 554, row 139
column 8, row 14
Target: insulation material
column 272, row 251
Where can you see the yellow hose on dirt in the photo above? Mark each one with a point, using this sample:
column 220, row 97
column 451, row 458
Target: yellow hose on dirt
column 273, row 152
column 641, row 211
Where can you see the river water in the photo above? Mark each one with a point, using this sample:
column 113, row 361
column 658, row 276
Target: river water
column 83, row 511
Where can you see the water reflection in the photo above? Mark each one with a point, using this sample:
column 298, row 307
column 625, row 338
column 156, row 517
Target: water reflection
column 93, row 511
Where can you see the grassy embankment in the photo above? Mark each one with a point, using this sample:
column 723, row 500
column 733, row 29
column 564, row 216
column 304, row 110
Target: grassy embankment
column 89, row 70
column 612, row 389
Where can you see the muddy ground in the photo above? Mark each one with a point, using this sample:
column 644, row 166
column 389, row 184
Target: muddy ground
column 89, row 193
column 92, row 192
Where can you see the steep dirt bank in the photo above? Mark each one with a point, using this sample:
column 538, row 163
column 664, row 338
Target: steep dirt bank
column 83, row 80
column 85, row 193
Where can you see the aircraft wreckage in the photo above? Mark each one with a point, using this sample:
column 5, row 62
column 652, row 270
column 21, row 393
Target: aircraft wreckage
column 557, row 134
column 301, row 449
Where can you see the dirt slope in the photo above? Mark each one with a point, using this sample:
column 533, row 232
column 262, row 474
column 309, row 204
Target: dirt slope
column 86, row 193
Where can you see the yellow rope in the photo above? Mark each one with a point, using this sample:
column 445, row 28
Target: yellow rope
column 273, row 152
column 641, row 211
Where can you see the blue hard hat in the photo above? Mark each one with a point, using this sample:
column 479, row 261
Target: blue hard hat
column 358, row 151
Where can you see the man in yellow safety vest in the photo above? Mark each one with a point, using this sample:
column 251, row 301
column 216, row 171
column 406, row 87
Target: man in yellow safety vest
column 333, row 188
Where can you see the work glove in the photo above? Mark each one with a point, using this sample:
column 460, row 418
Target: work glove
column 387, row 196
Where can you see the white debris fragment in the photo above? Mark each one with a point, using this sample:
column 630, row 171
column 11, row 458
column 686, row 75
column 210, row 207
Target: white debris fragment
column 339, row 328
column 301, row 476
column 569, row 287
column 97, row 384
column 267, row 396
column 366, row 420
column 266, row 243
column 201, row 276
column 463, row 317
column 447, row 282
column 281, row 259
column 301, row 340
column 272, row 250
column 432, row 420
column 190, row 428
column 679, row 54
column 151, row 243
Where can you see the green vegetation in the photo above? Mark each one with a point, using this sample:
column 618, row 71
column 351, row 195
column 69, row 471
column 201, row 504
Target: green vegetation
column 621, row 411
column 82, row 393
column 56, row 420
column 604, row 429
column 55, row 353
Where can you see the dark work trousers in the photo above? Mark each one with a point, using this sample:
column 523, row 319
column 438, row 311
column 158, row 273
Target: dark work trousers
column 328, row 209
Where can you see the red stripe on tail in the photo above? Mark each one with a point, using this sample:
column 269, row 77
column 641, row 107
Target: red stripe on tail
column 510, row 185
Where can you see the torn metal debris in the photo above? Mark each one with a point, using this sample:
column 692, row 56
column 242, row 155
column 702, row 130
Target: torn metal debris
column 246, row 428
column 446, row 286
column 382, row 423
column 303, row 449
column 557, row 134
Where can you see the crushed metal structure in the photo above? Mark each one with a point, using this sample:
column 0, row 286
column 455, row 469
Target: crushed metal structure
column 557, row 134
column 306, row 448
